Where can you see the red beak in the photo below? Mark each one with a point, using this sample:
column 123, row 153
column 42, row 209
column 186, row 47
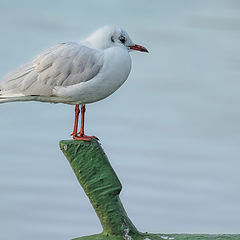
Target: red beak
column 139, row 48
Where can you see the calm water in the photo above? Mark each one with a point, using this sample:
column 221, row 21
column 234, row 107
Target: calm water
column 172, row 132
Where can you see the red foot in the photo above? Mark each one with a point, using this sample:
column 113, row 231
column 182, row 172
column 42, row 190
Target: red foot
column 84, row 137
column 80, row 134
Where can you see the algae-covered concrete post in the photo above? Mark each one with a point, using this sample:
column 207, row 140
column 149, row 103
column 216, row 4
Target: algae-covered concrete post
column 102, row 186
column 100, row 183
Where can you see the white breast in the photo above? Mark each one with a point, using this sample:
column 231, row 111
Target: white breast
column 115, row 71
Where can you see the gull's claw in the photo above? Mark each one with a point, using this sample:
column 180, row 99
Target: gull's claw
column 84, row 137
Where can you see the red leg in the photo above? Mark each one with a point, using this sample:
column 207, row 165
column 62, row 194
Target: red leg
column 81, row 135
column 74, row 133
column 83, row 110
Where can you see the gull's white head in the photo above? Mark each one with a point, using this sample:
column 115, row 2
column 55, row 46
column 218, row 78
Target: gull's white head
column 113, row 36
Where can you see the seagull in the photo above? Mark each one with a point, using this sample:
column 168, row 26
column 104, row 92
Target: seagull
column 74, row 73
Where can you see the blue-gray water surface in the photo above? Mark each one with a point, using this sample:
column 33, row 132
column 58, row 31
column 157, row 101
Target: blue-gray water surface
column 171, row 132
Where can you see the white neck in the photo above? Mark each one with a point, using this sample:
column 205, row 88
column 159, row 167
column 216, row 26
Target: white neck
column 98, row 40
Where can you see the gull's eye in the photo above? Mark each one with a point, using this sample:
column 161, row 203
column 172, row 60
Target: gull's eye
column 122, row 39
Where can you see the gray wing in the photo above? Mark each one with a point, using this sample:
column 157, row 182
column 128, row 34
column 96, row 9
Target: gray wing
column 62, row 65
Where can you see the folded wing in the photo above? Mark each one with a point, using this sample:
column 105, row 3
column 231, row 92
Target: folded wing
column 65, row 64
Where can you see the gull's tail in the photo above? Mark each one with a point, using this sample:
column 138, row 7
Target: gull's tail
column 11, row 84
column 15, row 98
column 5, row 98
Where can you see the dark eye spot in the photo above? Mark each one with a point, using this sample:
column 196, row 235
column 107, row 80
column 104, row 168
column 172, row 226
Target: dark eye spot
column 122, row 39
column 112, row 38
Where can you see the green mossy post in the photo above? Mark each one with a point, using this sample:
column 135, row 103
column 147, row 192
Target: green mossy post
column 102, row 186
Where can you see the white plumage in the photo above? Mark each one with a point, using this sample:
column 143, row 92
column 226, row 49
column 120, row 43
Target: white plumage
column 74, row 73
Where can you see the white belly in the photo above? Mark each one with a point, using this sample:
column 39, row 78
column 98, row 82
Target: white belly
column 115, row 71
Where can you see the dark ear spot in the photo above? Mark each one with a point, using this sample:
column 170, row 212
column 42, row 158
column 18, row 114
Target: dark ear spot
column 112, row 38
